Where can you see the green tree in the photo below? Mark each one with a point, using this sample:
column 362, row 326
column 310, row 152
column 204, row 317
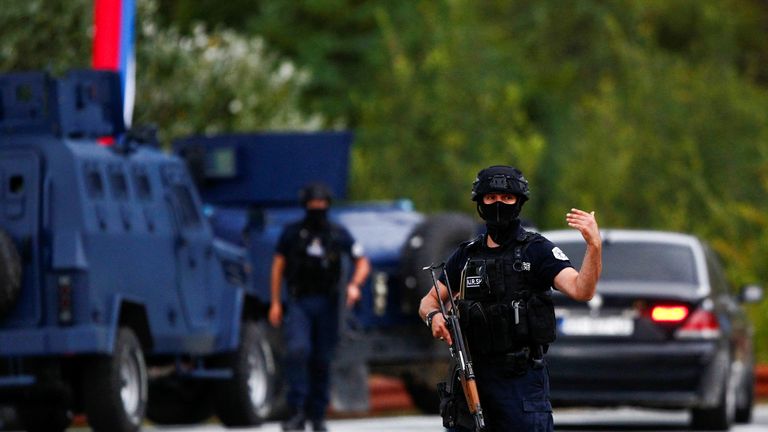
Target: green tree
column 214, row 81
column 441, row 110
column 64, row 43
column 204, row 82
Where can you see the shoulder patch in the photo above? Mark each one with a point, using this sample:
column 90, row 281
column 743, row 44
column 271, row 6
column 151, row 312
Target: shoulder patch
column 559, row 254
column 357, row 250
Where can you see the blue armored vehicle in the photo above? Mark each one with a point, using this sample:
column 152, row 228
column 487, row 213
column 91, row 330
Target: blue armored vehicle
column 250, row 184
column 116, row 298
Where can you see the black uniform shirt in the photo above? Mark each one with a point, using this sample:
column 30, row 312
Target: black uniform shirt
column 547, row 260
column 313, row 256
column 341, row 236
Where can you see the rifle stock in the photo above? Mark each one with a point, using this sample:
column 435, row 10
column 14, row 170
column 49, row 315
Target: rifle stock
column 470, row 392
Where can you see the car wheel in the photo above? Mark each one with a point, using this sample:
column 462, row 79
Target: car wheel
column 174, row 401
column 246, row 398
column 720, row 416
column 10, row 273
column 431, row 242
column 743, row 412
column 115, row 386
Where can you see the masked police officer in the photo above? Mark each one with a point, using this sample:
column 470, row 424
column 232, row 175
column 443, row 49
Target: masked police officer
column 503, row 279
column 309, row 257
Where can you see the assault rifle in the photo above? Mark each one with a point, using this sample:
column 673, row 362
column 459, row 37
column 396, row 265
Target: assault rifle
column 459, row 351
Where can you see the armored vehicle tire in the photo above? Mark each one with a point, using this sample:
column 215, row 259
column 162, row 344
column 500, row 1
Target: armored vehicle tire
column 10, row 273
column 246, row 398
column 115, row 386
column 431, row 242
column 174, row 401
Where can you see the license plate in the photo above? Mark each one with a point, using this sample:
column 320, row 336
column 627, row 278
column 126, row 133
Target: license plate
column 596, row 326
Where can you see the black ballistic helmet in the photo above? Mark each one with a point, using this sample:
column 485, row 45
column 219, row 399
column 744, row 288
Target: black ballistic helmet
column 314, row 191
column 500, row 179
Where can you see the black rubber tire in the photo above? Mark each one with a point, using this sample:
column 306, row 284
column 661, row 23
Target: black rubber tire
column 247, row 398
column 717, row 418
column 174, row 401
column 115, row 386
column 743, row 414
column 10, row 273
column 431, row 242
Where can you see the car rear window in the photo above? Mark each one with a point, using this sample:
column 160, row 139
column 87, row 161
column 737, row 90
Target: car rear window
column 640, row 261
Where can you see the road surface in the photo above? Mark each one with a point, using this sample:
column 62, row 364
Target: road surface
column 585, row 420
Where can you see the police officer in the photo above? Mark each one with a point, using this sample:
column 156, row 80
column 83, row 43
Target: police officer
column 504, row 279
column 309, row 258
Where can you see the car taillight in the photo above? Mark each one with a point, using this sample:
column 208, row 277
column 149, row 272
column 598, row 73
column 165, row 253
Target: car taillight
column 702, row 324
column 669, row 314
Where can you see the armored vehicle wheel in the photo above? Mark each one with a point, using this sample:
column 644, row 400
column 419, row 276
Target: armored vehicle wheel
column 44, row 416
column 247, row 398
column 115, row 386
column 432, row 241
column 10, row 273
column 173, row 401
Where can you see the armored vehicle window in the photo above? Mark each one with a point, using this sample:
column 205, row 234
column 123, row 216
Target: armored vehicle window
column 119, row 184
column 189, row 215
column 94, row 183
column 143, row 186
column 16, row 185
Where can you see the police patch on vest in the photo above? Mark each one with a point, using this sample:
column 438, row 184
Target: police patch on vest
column 559, row 254
column 315, row 248
column 474, row 281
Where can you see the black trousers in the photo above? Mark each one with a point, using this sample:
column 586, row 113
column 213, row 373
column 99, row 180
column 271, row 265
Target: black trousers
column 514, row 403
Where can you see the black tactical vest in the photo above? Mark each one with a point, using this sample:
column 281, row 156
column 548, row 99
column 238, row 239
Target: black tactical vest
column 504, row 308
column 313, row 264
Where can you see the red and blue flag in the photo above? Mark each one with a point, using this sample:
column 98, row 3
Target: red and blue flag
column 113, row 46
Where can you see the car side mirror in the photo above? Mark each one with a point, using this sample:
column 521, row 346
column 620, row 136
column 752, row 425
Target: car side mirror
column 751, row 293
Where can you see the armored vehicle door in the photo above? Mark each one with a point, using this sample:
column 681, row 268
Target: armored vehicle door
column 20, row 214
column 193, row 245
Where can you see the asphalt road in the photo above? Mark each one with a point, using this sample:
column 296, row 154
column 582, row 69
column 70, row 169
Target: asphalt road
column 585, row 420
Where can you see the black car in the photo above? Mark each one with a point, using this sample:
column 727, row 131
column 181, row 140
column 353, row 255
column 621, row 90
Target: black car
column 664, row 330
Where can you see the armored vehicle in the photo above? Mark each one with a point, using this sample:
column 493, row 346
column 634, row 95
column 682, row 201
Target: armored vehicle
column 250, row 182
column 116, row 298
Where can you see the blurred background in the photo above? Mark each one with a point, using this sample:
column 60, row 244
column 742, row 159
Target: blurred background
column 652, row 113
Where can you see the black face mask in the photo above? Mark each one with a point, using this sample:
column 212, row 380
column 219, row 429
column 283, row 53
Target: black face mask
column 501, row 220
column 316, row 218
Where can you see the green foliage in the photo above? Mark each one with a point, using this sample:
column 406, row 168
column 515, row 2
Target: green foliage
column 338, row 40
column 214, row 82
column 450, row 107
column 63, row 44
